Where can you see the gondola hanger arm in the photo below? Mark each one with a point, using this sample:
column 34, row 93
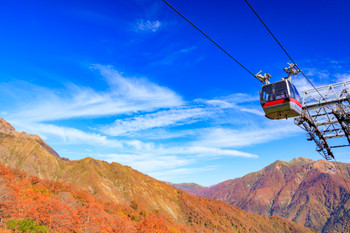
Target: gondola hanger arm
column 263, row 78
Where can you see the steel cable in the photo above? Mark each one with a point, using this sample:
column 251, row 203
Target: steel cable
column 227, row 53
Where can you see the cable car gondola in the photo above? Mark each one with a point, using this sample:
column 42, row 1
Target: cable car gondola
column 280, row 99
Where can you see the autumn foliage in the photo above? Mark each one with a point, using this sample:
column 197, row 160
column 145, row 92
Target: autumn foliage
column 28, row 204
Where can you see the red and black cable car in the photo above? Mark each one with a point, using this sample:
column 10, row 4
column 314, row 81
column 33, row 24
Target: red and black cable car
column 280, row 100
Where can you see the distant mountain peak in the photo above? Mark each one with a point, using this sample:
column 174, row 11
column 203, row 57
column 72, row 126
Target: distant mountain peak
column 303, row 190
column 300, row 161
column 191, row 188
column 294, row 162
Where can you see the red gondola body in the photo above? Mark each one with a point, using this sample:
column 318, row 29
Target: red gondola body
column 280, row 100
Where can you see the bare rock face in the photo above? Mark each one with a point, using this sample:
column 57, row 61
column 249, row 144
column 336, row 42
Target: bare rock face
column 302, row 190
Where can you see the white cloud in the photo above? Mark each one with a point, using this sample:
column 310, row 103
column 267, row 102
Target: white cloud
column 236, row 101
column 139, row 90
column 231, row 100
column 148, row 162
column 143, row 133
column 234, row 138
column 68, row 135
column 154, row 159
column 302, row 84
column 195, row 150
column 164, row 133
column 147, row 25
column 159, row 119
column 214, row 152
column 220, row 103
column 171, row 173
column 321, row 74
column 198, row 111
column 125, row 95
column 162, row 162
column 259, row 112
column 342, row 77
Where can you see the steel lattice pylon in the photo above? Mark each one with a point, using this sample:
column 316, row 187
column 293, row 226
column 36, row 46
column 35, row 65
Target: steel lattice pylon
column 326, row 117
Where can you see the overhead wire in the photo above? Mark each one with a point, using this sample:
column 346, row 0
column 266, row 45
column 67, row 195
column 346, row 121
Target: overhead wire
column 204, row 34
column 285, row 51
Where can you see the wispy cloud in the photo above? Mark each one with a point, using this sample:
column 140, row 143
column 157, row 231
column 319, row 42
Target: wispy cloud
column 162, row 158
column 199, row 110
column 171, row 173
column 166, row 162
column 68, row 135
column 125, row 95
column 148, row 162
column 321, row 74
column 342, row 77
column 138, row 89
column 229, row 101
column 147, row 25
column 213, row 152
column 302, row 84
column 153, row 129
column 155, row 120
column 235, row 101
column 236, row 138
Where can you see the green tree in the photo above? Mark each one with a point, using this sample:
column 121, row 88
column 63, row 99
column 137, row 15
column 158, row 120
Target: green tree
column 26, row 225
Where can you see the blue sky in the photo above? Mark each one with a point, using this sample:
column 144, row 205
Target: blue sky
column 132, row 82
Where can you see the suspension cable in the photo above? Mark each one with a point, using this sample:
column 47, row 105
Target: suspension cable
column 285, row 51
column 217, row 45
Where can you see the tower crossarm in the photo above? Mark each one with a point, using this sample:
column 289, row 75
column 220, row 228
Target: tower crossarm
column 323, row 103
column 331, row 94
column 326, row 116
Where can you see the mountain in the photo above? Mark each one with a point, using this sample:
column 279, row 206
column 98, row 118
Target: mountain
column 312, row 193
column 127, row 187
column 190, row 188
column 29, row 204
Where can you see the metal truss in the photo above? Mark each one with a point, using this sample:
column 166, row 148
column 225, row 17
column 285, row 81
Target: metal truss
column 326, row 115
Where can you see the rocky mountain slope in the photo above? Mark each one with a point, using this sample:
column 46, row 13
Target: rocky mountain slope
column 312, row 193
column 125, row 186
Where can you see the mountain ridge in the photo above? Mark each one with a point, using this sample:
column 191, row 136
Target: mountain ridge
column 123, row 185
column 308, row 192
column 190, row 188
